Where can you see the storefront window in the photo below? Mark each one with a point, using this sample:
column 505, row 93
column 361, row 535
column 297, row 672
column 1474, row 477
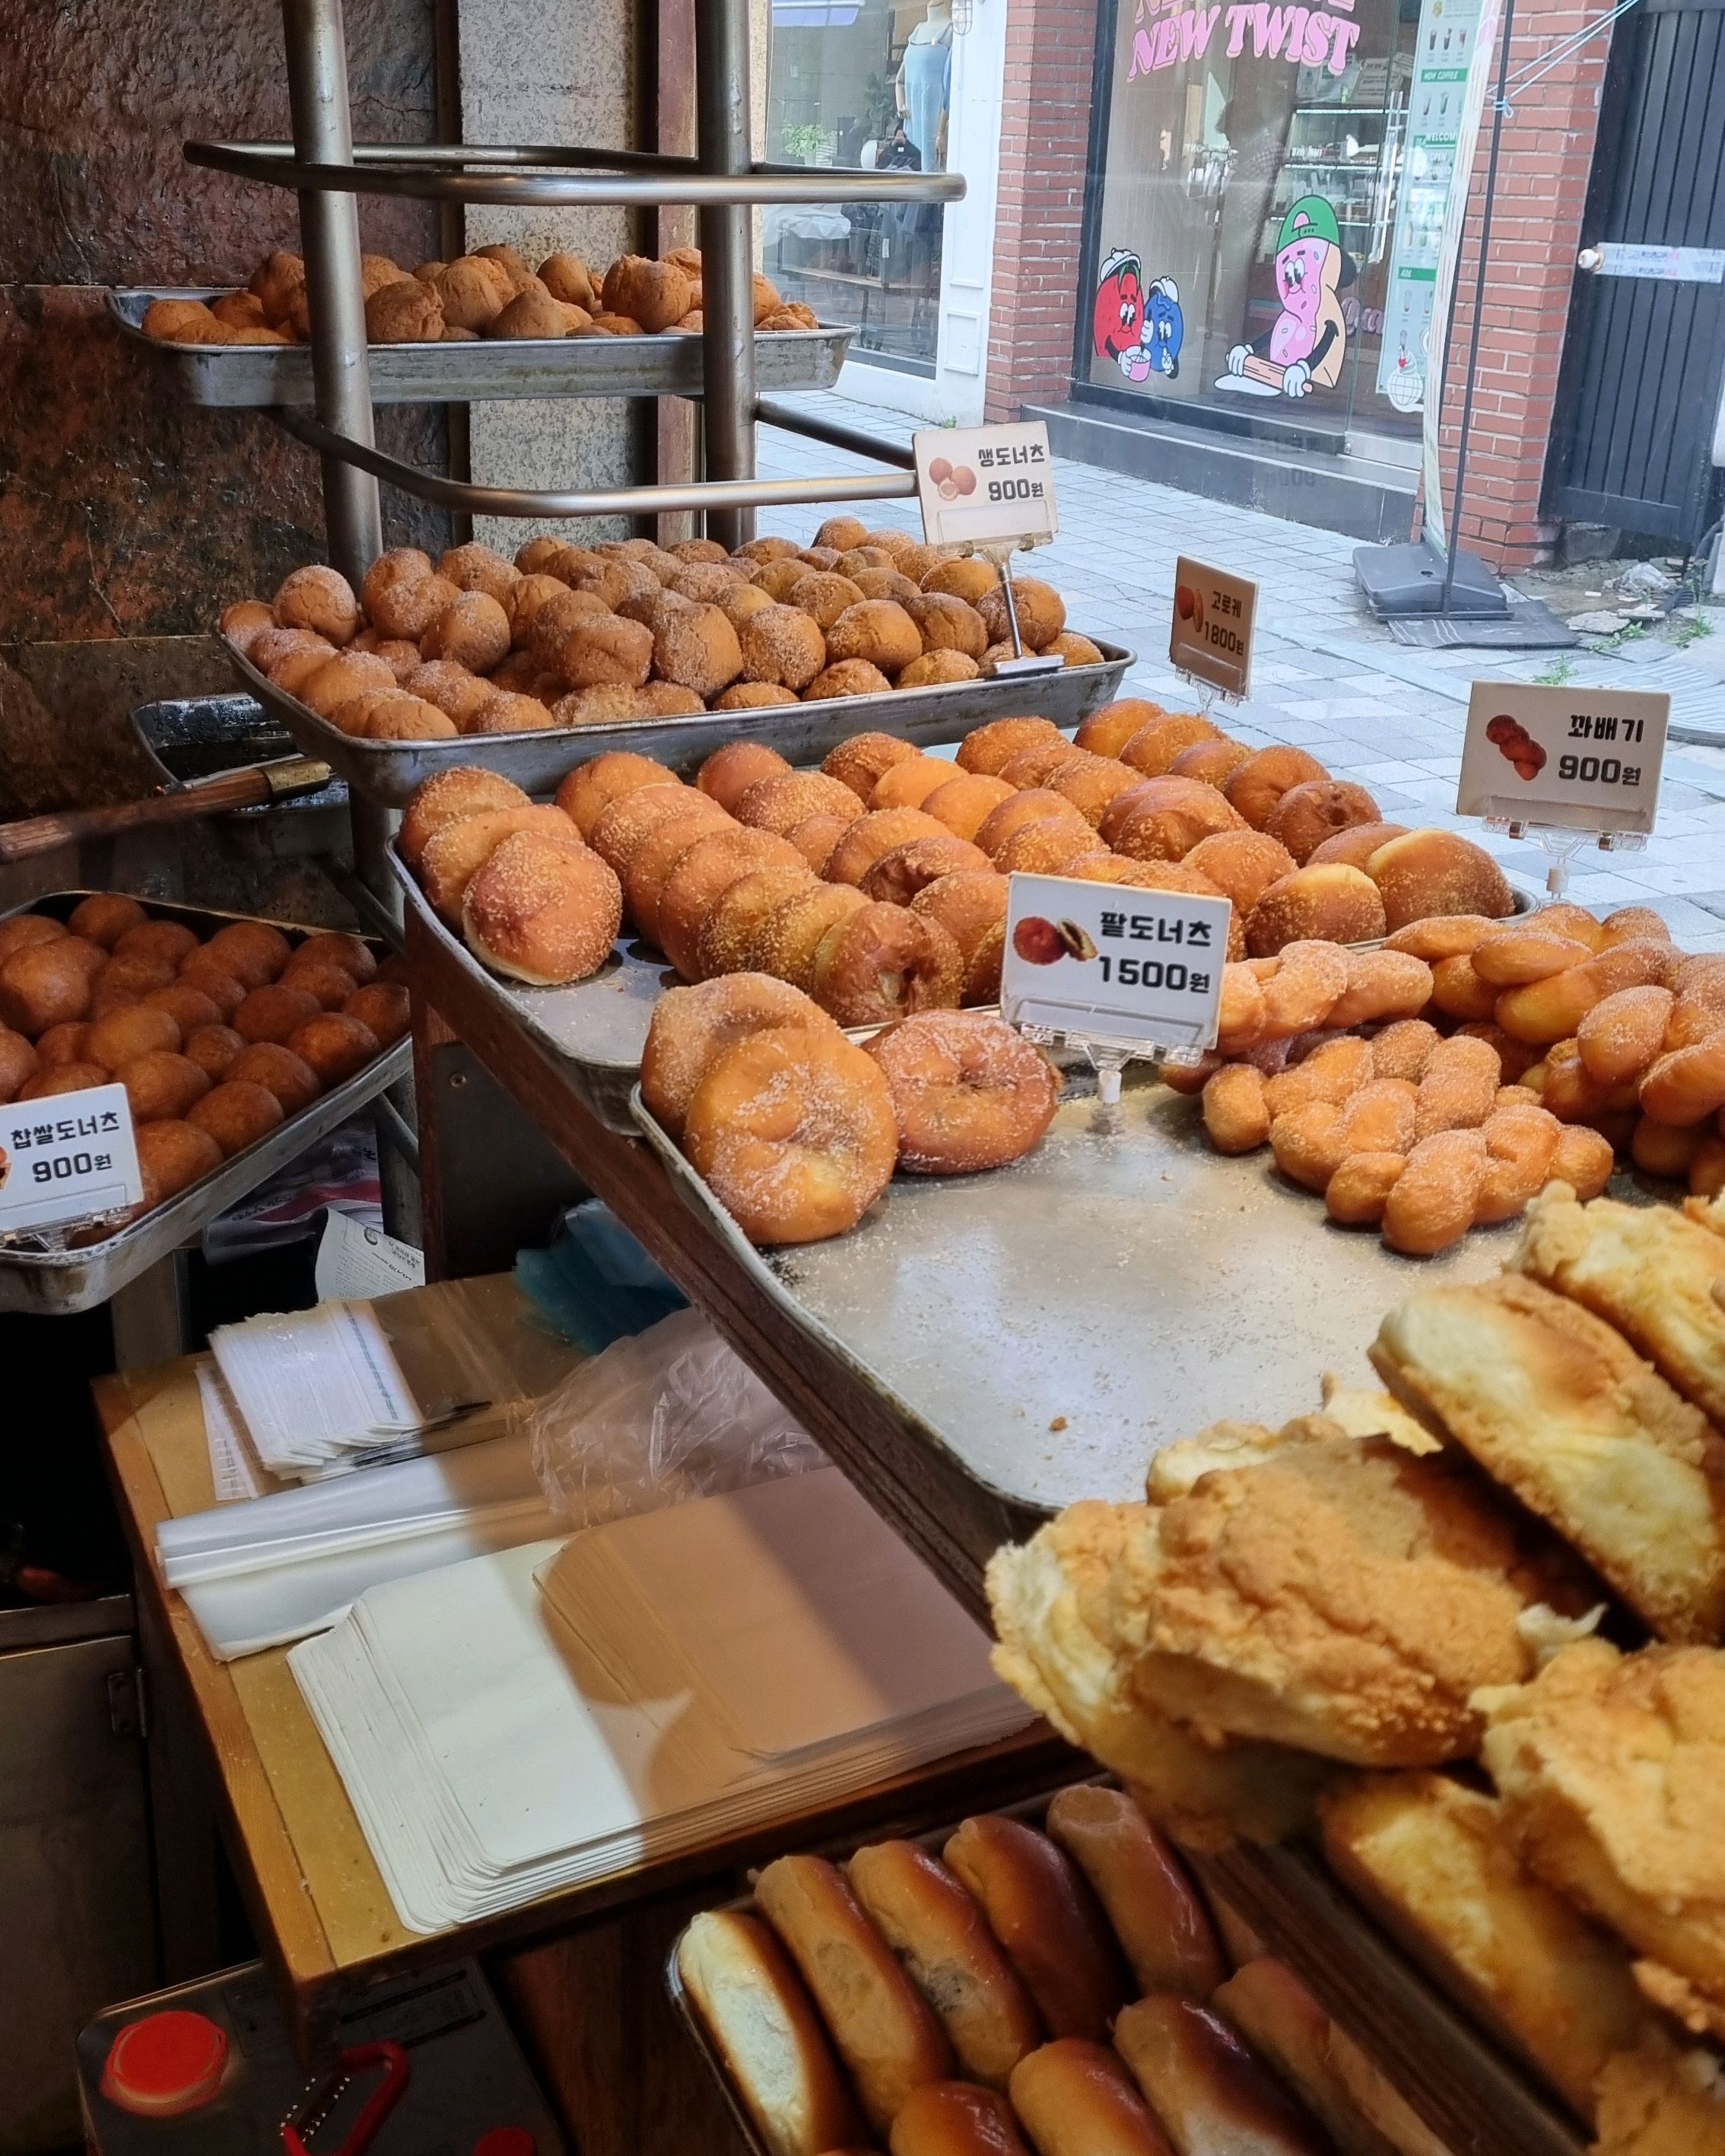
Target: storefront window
column 1242, row 211
column 861, row 82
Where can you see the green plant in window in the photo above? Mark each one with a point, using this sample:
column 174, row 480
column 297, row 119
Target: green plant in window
column 804, row 144
column 880, row 106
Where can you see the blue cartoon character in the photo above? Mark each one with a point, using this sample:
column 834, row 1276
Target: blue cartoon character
column 1164, row 329
column 1305, row 346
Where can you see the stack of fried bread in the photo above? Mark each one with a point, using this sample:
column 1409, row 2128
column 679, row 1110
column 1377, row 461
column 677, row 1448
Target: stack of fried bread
column 1064, row 1989
column 1515, row 1558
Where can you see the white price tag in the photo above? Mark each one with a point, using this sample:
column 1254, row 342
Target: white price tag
column 1210, row 637
column 986, row 486
column 1585, row 759
column 1109, row 962
column 67, row 1158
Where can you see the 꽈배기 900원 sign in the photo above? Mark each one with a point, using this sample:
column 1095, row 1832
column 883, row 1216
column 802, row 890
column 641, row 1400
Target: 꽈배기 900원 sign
column 1581, row 759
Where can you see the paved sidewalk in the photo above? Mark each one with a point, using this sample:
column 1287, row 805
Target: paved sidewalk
column 1325, row 676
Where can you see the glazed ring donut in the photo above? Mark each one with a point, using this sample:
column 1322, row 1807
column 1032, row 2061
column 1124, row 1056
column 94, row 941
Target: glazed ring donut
column 989, row 749
column 874, row 834
column 1235, row 1114
column 730, row 772
column 793, row 1131
column 1307, row 1142
column 885, row 962
column 726, row 941
column 693, row 1028
column 789, row 939
column 1379, row 1116
column 1520, row 1143
column 862, row 762
column 1432, row 1203
column 651, row 861
column 1301, row 992
column 969, row 1092
column 1033, row 805
column 967, row 904
column 1513, row 957
column 897, row 877
column 700, row 879
column 1404, row 1050
column 1687, row 1084
column 781, row 803
column 1357, row 1194
column 1620, row 1036
column 1583, row 1160
column 1381, row 985
column 1459, row 1089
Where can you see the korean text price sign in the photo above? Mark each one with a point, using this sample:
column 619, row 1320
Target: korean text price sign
column 65, row 1157
column 986, row 486
column 1107, row 962
column 1211, row 638
column 1585, row 759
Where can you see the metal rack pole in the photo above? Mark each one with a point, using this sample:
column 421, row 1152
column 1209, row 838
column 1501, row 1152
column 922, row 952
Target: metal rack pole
column 727, row 264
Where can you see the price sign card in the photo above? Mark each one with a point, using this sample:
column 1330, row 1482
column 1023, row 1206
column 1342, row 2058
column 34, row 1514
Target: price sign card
column 986, row 486
column 1585, row 759
column 66, row 1158
column 1211, row 639
column 1106, row 962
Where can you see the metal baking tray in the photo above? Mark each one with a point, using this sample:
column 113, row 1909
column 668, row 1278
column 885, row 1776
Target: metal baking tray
column 388, row 772
column 1132, row 1284
column 666, row 365
column 1339, row 1954
column 58, row 1283
column 194, row 738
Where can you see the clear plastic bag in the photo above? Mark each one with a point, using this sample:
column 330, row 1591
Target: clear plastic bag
column 659, row 1418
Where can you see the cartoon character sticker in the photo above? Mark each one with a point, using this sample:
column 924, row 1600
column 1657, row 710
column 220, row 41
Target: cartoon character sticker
column 1142, row 331
column 1305, row 346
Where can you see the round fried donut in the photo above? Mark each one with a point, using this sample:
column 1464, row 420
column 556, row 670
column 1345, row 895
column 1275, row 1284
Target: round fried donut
column 1315, row 810
column 1356, row 845
column 1262, row 779
column 693, row 1027
column 1235, row 1114
column 968, row 903
column 1047, row 848
column 788, row 943
column 212, row 1048
column 1211, row 762
column 883, row 962
column 266, row 1063
column 793, row 1132
column 1036, row 766
column 1162, row 820
column 47, row 984
column 25, row 929
column 1093, row 783
column 730, row 772
column 969, row 1092
column 816, row 836
column 1033, row 804
column 161, row 1084
column 782, row 802
column 861, row 762
column 66, row 1043
column 908, row 784
column 19, row 1061
column 251, row 951
column 1333, row 904
column 236, row 1114
column 455, row 854
column 700, row 876
column 186, row 1003
column 335, row 1046
column 897, row 877
column 989, row 749
column 651, row 861
column 103, row 918
column 1153, row 747
column 846, row 677
column 224, row 991
column 874, row 834
column 966, row 801
column 735, row 920
column 628, row 822
column 1108, row 730
column 1242, row 864
column 50, row 1079
column 447, row 797
column 272, row 1012
column 385, row 1006
column 171, row 1157
column 591, row 788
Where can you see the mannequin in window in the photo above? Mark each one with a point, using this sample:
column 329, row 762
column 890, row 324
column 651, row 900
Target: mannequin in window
column 925, row 82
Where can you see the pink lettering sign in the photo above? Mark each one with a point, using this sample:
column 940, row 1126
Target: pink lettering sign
column 1301, row 37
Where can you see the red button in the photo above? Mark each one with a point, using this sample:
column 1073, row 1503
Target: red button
column 505, row 2140
column 166, row 2064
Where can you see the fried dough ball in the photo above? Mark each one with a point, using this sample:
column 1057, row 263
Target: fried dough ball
column 1243, row 863
column 964, row 801
column 333, row 1044
column 1041, row 612
column 1333, row 904
column 43, row 984
column 47, row 1081
column 271, row 1013
column 1428, row 872
column 408, row 608
column 338, row 679
column 405, row 312
column 19, row 1061
column 135, row 1029
column 319, row 599
column 1354, row 846
column 730, row 772
column 878, row 631
column 1309, row 813
column 693, row 1027
column 969, row 578
column 825, row 596
column 878, row 582
column 874, row 834
column 968, row 903
column 473, row 631
column 213, row 1048
column 171, row 1157
column 607, row 649
column 385, row 1006
column 209, row 979
column 862, row 760
column 535, row 315
column 245, row 622
column 969, row 1092
column 777, row 578
column 236, row 1114
column 161, row 1084
column 124, row 980
column 948, row 623
column 103, row 918
column 447, row 796
column 841, row 533
column 1031, row 804
column 170, row 941
column 779, row 804
column 897, row 876
column 1162, row 820
column 1261, row 781
column 475, row 567
column 654, row 293
column 471, row 291
column 935, row 669
column 267, row 1064
column 251, row 951
column 566, row 278
column 847, row 677
column 397, row 565
column 69, row 1042
column 504, row 713
column 555, row 621
column 738, row 603
column 704, row 583
column 780, row 646
column 882, row 962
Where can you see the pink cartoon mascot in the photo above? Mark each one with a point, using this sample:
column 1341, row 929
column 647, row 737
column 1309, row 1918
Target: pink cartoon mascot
column 1305, row 346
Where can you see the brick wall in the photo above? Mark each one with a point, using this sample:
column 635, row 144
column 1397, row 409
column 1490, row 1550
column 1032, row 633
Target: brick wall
column 1039, row 223
column 1536, row 227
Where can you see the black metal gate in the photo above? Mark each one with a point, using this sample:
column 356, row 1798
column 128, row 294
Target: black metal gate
column 1644, row 355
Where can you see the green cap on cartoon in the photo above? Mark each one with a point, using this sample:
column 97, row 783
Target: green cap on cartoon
column 1311, row 218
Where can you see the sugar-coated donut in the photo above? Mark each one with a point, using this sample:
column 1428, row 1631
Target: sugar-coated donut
column 883, row 962
column 1046, row 847
column 788, row 799
column 816, row 836
column 1442, row 935
column 1236, row 1115
column 1032, row 804
column 1041, row 613
column 1243, row 863
column 1357, row 1194
column 1620, row 1036
column 754, row 696
column 1310, row 977
column 1108, row 729
column 965, row 801
column 236, row 1114
column 698, row 648
column 692, row 1027
column 793, row 1131
column 536, row 911
column 591, row 788
column 989, row 749
column 251, row 951
column 1356, row 844
column 1214, row 762
column 1333, row 904
column 787, row 940
column 1432, row 1203
column 841, row 533
column 1383, row 987
column 1315, row 810
column 1521, row 1144
column 969, row 1092
column 104, row 917
column 161, row 1084
column 339, row 681
column 898, row 875
column 173, row 1155
column 968, row 903
column 1308, row 1143
column 737, row 920
column 1458, row 1088
column 1093, row 783
column 948, row 623
column 1513, row 957
column 1686, row 1086
column 245, row 622
column 43, row 984
column 49, row 1080
column 1161, row 820
column 1583, row 1159
column 860, row 762
column 475, row 567
column 728, row 773
column 1458, row 992
column 473, row 630
column 1152, row 750
column 874, row 834
column 397, row 565
column 19, row 1062
column 1332, row 1072
column 335, row 1046
column 453, row 855
column 1262, row 779
column 652, row 859
column 968, row 577
column 266, row 1063
column 212, row 1048
column 700, row 877
column 319, row 599
column 1426, row 872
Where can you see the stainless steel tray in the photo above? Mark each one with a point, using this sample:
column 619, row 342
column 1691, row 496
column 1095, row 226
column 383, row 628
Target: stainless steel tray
column 1131, row 1286
column 667, row 365
column 388, row 772
column 57, row 1283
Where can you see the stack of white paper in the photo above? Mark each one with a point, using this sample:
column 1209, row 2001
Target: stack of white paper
column 684, row 1674
column 278, row 1567
column 320, row 1392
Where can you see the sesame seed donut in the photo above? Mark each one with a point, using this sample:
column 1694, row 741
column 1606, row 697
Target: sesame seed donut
column 789, row 941
column 883, row 962
column 693, row 1027
column 897, row 877
column 874, row 834
column 1316, row 810
column 1033, row 805
column 793, row 1132
column 455, row 854
column 727, row 937
column 1261, row 781
column 447, row 796
column 1213, row 762
column 816, row 836
column 988, row 749
column 590, row 788
column 700, row 876
column 861, row 762
column 1242, row 864
column 969, row 1092
column 729, row 771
